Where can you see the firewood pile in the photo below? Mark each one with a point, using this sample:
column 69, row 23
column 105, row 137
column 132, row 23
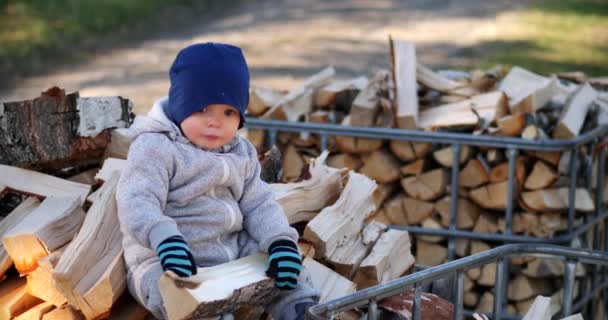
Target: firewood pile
column 414, row 177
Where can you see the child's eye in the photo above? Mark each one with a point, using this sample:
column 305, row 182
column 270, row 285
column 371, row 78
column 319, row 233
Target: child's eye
column 230, row 113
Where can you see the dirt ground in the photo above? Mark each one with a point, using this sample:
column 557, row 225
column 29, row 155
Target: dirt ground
column 285, row 41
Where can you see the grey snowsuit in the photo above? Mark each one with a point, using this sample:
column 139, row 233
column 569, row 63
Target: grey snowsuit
column 214, row 199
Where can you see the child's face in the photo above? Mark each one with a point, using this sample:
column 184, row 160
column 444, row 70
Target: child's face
column 212, row 127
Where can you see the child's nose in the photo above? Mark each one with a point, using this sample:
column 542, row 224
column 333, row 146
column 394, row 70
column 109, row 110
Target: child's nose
column 213, row 120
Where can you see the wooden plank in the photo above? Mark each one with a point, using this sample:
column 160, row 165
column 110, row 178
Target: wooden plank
column 92, row 265
column 220, row 289
column 23, row 210
column 331, row 284
column 50, row 226
column 489, row 106
column 40, row 184
column 403, row 55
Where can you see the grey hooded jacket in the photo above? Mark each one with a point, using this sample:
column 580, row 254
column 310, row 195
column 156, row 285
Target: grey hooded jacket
column 213, row 199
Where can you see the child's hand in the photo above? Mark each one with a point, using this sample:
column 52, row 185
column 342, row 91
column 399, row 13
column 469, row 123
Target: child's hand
column 175, row 255
column 284, row 264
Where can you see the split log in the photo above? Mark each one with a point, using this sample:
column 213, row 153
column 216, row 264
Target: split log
column 381, row 166
column 328, row 95
column 430, row 223
column 462, row 247
column 85, row 177
column 41, row 284
column 91, row 272
column 36, row 312
column 348, row 256
column 298, row 102
column 261, row 99
column 356, row 145
column 221, row 289
column 540, row 309
column 486, row 223
column 574, row 113
column 292, row 163
column 488, row 275
column 364, row 109
column 383, row 192
column 527, row 91
column 512, row 125
column 345, row 160
column 257, row 137
column 409, row 151
column 486, row 303
column 474, row 174
column 432, row 306
column 66, row 312
column 331, row 284
column 395, row 210
column 544, row 268
column 14, row 299
column 532, row 132
column 127, row 308
column 552, row 158
column 414, row 168
column 434, row 80
column 403, row 58
column 430, row 254
column 388, row 260
column 57, row 130
column 301, row 201
column 541, row 177
column 523, row 287
column 120, row 141
column 344, row 219
column 427, row 186
column 468, row 113
column 110, row 165
column 50, row 226
column 14, row 218
column 556, row 199
column 417, row 210
column 466, row 215
column 39, row 184
column 492, row 196
column 445, row 155
column 500, row 173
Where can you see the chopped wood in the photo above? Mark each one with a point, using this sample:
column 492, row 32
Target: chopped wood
column 427, row 186
column 257, row 137
column 543, row 268
column 40, row 184
column 14, row 218
column 356, row 145
column 330, row 284
column 500, row 173
column 523, row 287
column 36, row 312
column 556, row 199
column 445, row 155
column 574, row 113
column 486, row 303
column 383, row 192
column 532, row 132
column 261, row 99
column 512, row 125
column 395, row 211
column 552, row 158
column 403, row 55
column 66, row 312
column 486, row 223
column 494, row 156
column 527, row 91
column 328, row 94
column 432, row 306
column 430, row 223
column 462, row 247
column 85, row 177
column 348, row 256
column 91, row 272
column 343, row 219
column 434, row 80
column 467, row 213
column 470, row 299
column 127, row 308
column 41, row 284
column 540, row 309
column 414, row 168
column 345, row 160
column 298, row 102
column 381, row 166
column 378, row 216
column 47, row 228
column 292, row 163
column 417, row 210
column 488, row 275
column 493, row 196
column 120, row 141
column 320, row 116
column 409, row 151
column 365, row 107
column 301, row 201
column 388, row 260
column 541, row 177
column 474, row 174
column 222, row 289
column 57, row 130
column 468, row 113
column 430, row 254
column 110, row 165
column 14, row 299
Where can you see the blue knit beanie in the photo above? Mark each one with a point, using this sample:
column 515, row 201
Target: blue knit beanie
column 204, row 74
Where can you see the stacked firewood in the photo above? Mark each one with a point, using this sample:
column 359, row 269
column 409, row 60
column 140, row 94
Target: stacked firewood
column 414, row 177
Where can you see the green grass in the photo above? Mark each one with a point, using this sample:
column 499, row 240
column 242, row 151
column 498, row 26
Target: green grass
column 553, row 36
